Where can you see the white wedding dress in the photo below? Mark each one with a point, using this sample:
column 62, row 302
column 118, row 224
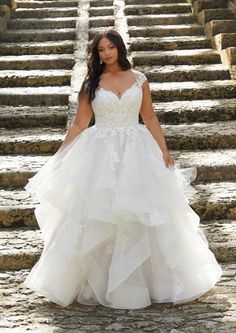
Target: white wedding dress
column 116, row 222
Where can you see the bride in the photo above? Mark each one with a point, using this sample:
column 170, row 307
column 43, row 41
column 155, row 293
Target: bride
column 113, row 208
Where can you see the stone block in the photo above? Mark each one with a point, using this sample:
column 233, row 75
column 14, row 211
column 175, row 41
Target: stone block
column 215, row 27
column 200, row 5
column 224, row 40
column 228, row 56
column 207, row 15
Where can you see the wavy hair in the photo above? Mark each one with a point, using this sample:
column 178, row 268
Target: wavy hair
column 95, row 69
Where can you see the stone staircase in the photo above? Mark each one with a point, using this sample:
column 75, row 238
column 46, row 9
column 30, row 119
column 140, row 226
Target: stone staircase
column 195, row 100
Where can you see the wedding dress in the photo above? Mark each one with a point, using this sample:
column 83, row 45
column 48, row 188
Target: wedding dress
column 116, row 223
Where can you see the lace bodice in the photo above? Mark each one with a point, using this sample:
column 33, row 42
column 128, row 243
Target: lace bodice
column 113, row 111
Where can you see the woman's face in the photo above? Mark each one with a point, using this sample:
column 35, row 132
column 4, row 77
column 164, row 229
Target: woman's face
column 107, row 51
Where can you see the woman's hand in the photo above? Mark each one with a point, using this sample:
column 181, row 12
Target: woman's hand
column 168, row 159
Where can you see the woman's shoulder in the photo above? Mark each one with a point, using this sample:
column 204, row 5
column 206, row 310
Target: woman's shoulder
column 140, row 75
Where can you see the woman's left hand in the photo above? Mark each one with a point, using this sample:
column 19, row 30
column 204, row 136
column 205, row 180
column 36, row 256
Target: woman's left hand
column 168, row 159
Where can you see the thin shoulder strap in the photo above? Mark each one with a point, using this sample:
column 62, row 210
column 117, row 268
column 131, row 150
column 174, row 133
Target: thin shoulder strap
column 140, row 76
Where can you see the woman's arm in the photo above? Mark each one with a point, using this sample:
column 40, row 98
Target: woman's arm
column 81, row 121
column 152, row 123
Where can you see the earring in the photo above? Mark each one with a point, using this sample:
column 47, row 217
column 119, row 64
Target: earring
column 100, row 61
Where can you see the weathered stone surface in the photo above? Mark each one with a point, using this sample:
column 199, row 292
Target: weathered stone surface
column 54, row 47
column 186, row 73
column 166, row 30
column 157, row 9
column 170, row 91
column 37, row 78
column 215, row 27
column 39, row 35
column 100, row 21
column 168, row 43
column 45, row 12
column 176, row 57
column 137, row 20
column 224, row 40
column 199, row 5
column 50, row 23
column 47, row 61
column 207, row 15
column 33, row 116
column 208, row 110
column 47, row 95
column 228, row 57
column 49, row 3
column 101, row 11
column 24, row 310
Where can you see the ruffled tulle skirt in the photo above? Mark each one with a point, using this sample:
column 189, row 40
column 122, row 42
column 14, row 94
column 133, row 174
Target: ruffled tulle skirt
column 117, row 226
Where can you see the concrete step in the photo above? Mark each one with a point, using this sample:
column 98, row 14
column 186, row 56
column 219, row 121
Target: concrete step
column 168, row 43
column 32, row 62
column 21, row 248
column 30, row 141
column 50, row 23
column 166, row 30
column 42, row 4
column 213, row 201
column 207, row 110
column 162, row 19
column 215, row 309
column 158, row 9
column 180, row 73
column 179, row 91
column 218, row 165
column 39, row 35
column 37, row 78
column 176, row 57
column 34, row 96
column 196, row 136
column 33, row 116
column 101, row 11
column 37, row 48
column 101, row 21
column 45, row 12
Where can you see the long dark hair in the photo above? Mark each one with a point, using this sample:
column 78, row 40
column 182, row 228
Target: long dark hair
column 95, row 69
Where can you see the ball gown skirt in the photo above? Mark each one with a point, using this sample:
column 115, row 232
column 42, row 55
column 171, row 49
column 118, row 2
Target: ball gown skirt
column 117, row 226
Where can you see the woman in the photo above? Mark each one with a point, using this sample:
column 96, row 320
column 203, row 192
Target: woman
column 114, row 208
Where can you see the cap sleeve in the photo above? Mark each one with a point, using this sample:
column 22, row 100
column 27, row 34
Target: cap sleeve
column 140, row 76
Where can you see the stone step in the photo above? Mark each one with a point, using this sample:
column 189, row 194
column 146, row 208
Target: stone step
column 162, row 19
column 215, row 27
column 166, row 30
column 181, row 73
column 213, row 201
column 145, row 2
column 158, row 9
column 97, row 3
column 37, row 48
column 21, row 248
column 179, row 91
column 101, row 11
column 176, row 57
column 200, row 5
column 224, row 40
column 45, row 12
column 93, row 32
column 42, row 4
column 32, row 62
column 39, row 35
column 215, row 309
column 33, row 116
column 196, row 136
column 208, row 15
column 211, row 166
column 37, row 78
column 32, row 96
column 207, row 110
column 168, row 43
column 101, row 21
column 30, row 140
column 50, row 23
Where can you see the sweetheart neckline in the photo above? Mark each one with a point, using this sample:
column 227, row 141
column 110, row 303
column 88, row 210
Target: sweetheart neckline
column 112, row 92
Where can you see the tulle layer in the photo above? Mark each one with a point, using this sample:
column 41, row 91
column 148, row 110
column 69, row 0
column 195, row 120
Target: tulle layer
column 117, row 226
